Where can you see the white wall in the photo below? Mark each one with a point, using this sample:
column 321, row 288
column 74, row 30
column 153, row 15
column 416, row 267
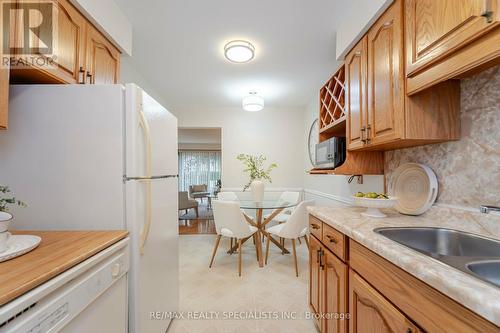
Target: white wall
column 331, row 190
column 357, row 17
column 275, row 133
column 108, row 17
column 129, row 74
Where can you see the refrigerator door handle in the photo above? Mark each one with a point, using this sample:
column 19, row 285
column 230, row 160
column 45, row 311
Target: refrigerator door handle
column 126, row 179
column 147, row 143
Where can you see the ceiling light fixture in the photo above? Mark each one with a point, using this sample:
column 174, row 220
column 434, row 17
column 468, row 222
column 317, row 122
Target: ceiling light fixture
column 239, row 51
column 253, row 102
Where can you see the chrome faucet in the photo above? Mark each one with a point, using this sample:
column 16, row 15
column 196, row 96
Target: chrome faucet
column 487, row 209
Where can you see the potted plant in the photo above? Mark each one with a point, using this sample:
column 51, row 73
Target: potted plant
column 254, row 166
column 5, row 201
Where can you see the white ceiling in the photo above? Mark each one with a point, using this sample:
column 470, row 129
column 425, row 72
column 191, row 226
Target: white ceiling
column 178, row 48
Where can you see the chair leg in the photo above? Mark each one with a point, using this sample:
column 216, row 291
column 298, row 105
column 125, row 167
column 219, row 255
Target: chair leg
column 267, row 246
column 255, row 243
column 217, row 241
column 230, row 245
column 299, row 241
column 239, row 257
column 196, row 212
column 283, row 245
column 295, row 259
column 307, row 241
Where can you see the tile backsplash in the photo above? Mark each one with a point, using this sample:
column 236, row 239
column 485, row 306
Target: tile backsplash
column 468, row 170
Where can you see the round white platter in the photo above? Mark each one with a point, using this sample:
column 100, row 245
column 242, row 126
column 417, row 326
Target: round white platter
column 18, row 245
column 416, row 187
column 374, row 205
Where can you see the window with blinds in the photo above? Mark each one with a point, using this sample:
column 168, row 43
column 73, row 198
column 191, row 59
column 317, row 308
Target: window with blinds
column 199, row 167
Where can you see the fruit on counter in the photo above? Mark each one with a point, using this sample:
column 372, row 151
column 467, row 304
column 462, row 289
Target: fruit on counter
column 372, row 195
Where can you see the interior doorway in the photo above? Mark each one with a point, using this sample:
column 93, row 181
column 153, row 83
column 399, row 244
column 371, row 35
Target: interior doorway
column 200, row 172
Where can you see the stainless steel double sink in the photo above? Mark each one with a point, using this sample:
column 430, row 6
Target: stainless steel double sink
column 472, row 254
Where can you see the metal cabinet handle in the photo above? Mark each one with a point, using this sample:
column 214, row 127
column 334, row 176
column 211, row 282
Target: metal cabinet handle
column 358, row 53
column 318, row 255
column 315, row 226
column 488, row 13
column 81, row 76
column 368, row 133
column 363, row 130
column 89, row 76
column 331, row 239
column 321, row 256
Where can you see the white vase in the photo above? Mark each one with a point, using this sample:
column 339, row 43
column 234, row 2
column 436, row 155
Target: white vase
column 5, row 220
column 257, row 188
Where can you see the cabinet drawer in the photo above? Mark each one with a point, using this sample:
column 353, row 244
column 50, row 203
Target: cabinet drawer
column 315, row 227
column 334, row 241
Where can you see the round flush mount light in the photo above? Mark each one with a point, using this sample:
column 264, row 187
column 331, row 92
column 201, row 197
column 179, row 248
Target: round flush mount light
column 239, row 51
column 253, row 102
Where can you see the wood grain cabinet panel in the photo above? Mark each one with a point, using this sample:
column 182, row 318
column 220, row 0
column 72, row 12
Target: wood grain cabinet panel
column 438, row 27
column 371, row 312
column 384, row 117
column 4, row 97
column 334, row 275
column 103, row 59
column 386, row 78
column 355, row 64
column 71, row 43
column 314, row 276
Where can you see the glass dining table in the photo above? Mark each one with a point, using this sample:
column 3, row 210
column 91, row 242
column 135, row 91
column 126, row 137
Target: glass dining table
column 276, row 206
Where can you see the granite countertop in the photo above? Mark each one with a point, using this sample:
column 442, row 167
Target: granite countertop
column 477, row 295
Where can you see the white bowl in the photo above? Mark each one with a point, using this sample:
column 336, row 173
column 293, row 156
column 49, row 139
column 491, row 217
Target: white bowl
column 5, row 220
column 374, row 205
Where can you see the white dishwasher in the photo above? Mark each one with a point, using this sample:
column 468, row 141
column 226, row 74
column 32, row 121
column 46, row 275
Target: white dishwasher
column 90, row 297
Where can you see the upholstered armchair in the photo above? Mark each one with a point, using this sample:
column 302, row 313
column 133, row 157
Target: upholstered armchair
column 186, row 203
column 198, row 191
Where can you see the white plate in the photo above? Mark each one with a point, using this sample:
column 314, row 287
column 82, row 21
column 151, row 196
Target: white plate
column 416, row 187
column 18, row 245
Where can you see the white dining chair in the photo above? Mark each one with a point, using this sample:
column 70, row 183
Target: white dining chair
column 227, row 196
column 230, row 222
column 294, row 228
column 286, row 196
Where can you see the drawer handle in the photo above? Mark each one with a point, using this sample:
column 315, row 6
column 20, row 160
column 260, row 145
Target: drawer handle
column 315, row 226
column 331, row 239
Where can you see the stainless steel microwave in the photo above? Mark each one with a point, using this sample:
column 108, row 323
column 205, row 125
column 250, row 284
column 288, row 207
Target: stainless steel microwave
column 331, row 153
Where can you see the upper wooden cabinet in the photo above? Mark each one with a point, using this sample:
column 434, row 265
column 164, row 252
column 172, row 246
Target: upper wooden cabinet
column 4, row 97
column 103, row 59
column 81, row 53
column 446, row 38
column 384, row 117
column 355, row 64
column 372, row 313
column 386, row 78
column 71, row 43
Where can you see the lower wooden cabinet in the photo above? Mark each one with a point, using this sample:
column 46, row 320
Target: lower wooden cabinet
column 334, row 286
column 328, row 288
column 4, row 97
column 364, row 293
column 371, row 312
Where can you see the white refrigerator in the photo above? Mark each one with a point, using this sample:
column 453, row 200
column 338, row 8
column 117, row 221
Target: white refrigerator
column 97, row 157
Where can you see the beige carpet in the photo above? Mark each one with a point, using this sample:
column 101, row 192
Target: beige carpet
column 259, row 292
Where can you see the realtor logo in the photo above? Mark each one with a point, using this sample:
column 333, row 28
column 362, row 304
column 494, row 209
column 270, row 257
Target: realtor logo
column 29, row 33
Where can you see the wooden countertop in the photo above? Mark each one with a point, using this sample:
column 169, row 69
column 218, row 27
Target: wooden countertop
column 57, row 252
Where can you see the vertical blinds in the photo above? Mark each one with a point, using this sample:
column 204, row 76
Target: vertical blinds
column 199, row 167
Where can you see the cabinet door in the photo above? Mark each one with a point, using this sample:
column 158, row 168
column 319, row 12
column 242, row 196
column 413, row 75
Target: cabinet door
column 435, row 28
column 103, row 59
column 335, row 294
column 355, row 64
column 314, row 275
column 71, row 43
column 4, row 97
column 371, row 312
column 386, row 77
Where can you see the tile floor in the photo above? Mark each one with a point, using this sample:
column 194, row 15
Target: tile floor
column 270, row 290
